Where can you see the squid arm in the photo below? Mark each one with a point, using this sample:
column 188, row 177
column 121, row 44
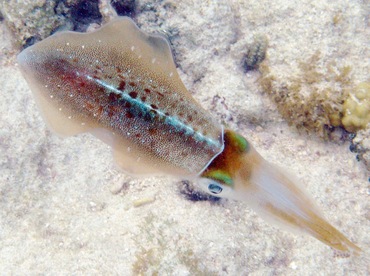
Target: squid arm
column 240, row 173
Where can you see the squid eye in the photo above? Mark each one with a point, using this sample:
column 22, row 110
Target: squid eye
column 214, row 188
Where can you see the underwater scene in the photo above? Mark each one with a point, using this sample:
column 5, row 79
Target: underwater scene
column 184, row 137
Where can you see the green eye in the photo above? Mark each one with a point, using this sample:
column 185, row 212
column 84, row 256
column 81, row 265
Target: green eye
column 214, row 188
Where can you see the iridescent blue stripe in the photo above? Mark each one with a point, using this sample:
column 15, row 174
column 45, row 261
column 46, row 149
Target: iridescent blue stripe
column 170, row 120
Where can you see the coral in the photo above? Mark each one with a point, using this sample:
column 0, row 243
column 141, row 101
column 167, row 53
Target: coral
column 124, row 8
column 357, row 108
column 313, row 99
column 256, row 53
column 83, row 13
column 361, row 145
column 30, row 21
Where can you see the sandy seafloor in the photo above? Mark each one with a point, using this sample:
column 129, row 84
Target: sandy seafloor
column 62, row 209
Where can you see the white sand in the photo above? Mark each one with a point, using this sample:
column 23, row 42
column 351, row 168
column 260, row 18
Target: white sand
column 60, row 209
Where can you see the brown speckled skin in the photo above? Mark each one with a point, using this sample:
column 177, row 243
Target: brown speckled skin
column 124, row 81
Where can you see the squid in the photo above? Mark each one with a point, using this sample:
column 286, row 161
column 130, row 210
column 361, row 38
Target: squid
column 121, row 85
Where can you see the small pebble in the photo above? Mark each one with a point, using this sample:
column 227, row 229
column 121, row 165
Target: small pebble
column 259, row 128
column 118, row 187
column 143, row 201
column 293, row 265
